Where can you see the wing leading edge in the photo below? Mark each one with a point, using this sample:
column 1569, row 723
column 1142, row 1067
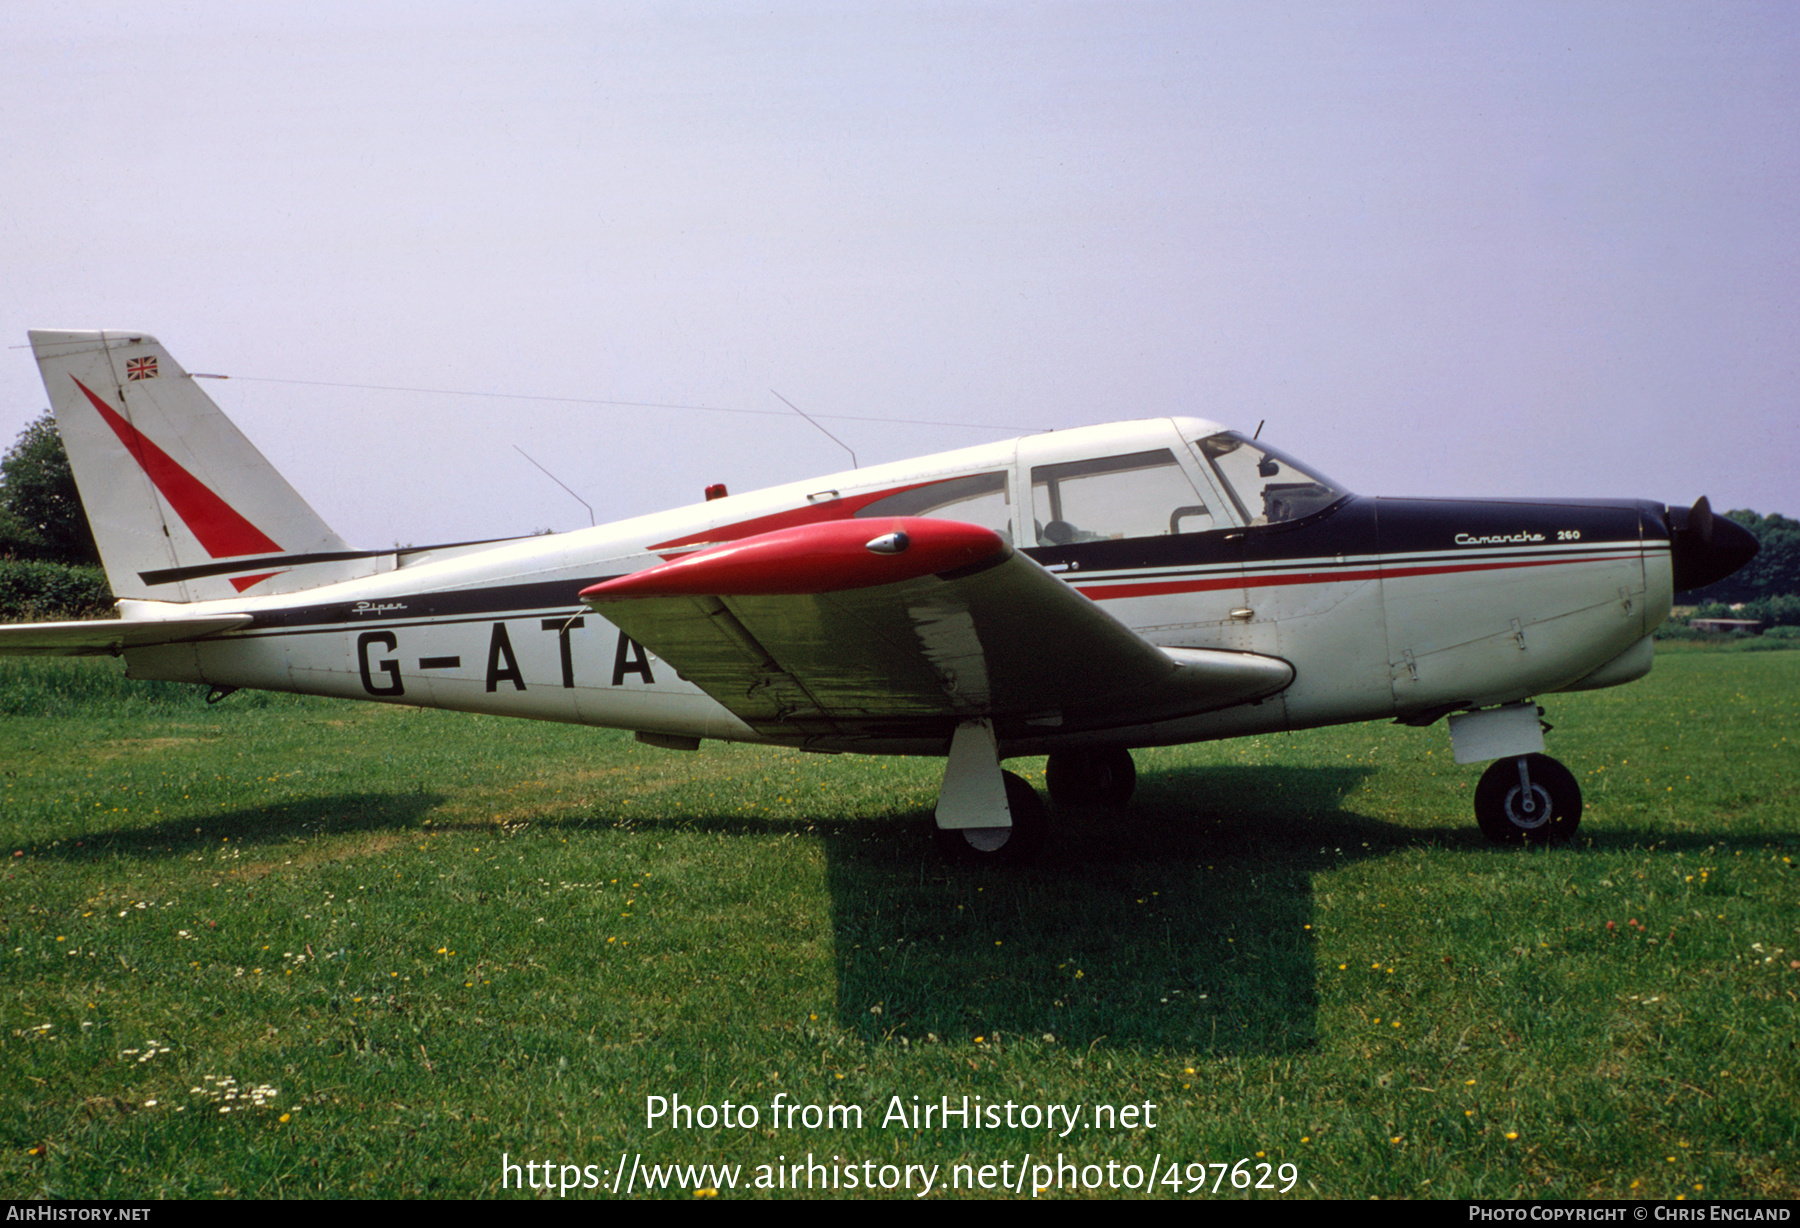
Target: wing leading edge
column 905, row 627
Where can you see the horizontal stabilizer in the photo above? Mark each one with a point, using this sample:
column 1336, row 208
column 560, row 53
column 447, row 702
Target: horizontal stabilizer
column 108, row 637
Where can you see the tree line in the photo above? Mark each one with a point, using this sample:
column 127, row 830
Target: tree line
column 40, row 510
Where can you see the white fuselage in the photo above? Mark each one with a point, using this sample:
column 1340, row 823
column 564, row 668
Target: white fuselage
column 1383, row 607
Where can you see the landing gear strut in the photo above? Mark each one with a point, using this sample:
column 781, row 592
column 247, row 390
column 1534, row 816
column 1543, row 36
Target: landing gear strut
column 1528, row 799
column 985, row 815
column 1014, row 845
column 1103, row 777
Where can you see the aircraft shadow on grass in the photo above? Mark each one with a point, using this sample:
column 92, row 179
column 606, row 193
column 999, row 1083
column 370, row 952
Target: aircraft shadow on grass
column 1180, row 925
column 253, row 829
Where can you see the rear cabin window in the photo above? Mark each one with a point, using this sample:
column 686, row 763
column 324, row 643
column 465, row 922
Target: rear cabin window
column 980, row 498
column 1137, row 494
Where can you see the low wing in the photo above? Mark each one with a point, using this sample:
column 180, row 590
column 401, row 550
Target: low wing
column 109, row 636
column 903, row 627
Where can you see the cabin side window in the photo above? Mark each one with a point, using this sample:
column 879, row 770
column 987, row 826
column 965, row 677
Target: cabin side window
column 980, row 498
column 1138, row 494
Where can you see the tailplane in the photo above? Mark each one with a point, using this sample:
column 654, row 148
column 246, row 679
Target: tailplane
column 184, row 508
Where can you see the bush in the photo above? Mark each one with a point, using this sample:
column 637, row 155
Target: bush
column 1673, row 628
column 1783, row 611
column 31, row 591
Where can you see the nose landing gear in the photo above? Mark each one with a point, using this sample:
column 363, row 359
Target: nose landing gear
column 1528, row 799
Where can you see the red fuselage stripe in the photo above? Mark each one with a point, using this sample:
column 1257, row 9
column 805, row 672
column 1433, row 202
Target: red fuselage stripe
column 222, row 532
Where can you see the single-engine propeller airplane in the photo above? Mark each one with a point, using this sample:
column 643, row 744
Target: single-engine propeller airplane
column 1075, row 594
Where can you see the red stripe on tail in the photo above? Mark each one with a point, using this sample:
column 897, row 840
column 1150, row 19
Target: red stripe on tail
column 222, row 532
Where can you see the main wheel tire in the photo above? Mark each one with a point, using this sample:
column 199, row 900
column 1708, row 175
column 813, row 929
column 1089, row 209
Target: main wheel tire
column 1508, row 814
column 1012, row 846
column 1104, row 777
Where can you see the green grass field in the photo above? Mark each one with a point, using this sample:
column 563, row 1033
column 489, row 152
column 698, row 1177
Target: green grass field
column 291, row 948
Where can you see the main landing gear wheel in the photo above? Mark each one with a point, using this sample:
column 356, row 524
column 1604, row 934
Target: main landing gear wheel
column 1531, row 799
column 1014, row 845
column 1103, row 777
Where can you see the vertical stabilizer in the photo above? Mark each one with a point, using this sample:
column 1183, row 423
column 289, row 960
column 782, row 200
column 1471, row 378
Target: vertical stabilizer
column 184, row 508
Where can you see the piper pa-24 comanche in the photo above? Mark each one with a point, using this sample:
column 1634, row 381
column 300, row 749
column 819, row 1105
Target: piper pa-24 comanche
column 1074, row 594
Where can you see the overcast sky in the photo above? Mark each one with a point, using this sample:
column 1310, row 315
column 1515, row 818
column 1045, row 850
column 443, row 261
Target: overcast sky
column 1450, row 249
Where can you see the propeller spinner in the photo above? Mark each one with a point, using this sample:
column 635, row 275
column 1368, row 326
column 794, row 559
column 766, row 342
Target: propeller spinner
column 1706, row 547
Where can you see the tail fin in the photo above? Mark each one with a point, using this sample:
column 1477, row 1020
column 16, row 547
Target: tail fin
column 184, row 508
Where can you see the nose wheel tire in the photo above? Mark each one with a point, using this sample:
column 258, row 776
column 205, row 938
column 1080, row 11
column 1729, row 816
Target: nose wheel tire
column 1531, row 799
column 1011, row 846
column 1104, row 777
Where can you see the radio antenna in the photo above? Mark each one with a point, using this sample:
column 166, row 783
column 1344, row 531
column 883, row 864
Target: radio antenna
column 560, row 482
column 834, row 439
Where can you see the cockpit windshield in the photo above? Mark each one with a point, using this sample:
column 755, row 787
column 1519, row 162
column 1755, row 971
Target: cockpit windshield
column 1268, row 487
